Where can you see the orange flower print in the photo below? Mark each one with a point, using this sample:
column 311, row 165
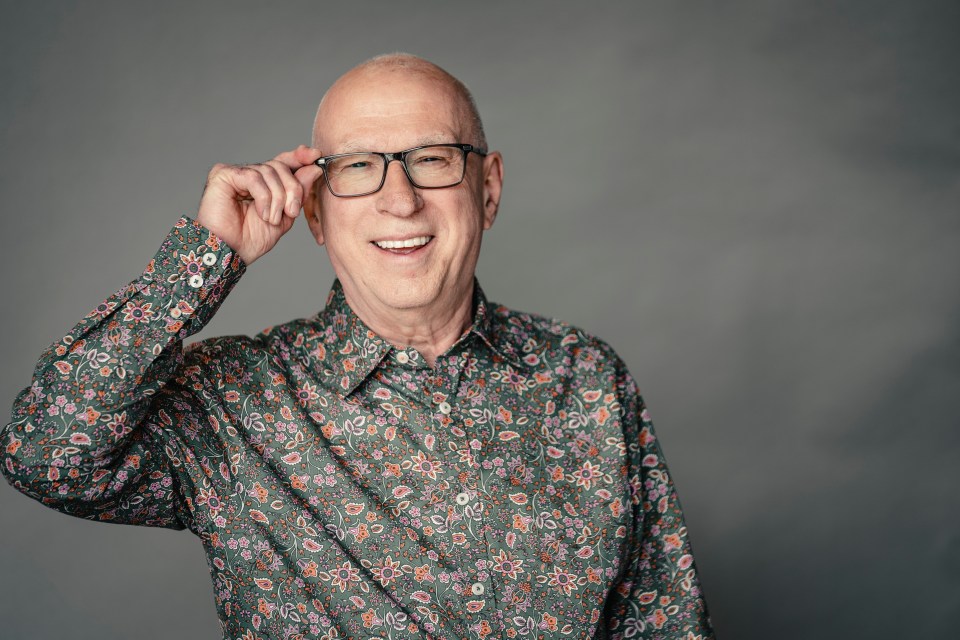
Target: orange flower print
column 266, row 608
column 425, row 465
column 549, row 622
column 565, row 582
column 507, row 565
column 307, row 394
column 601, row 415
column 344, row 575
column 521, row 523
column 391, row 469
column 360, row 532
column 587, row 475
column 134, row 312
column 658, row 618
column 672, row 542
column 370, row 618
column 387, row 571
column 422, row 574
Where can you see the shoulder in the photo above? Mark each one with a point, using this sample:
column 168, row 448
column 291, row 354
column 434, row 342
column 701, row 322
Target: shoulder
column 540, row 341
column 282, row 340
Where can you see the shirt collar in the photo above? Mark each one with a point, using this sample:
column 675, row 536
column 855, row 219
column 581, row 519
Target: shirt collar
column 354, row 350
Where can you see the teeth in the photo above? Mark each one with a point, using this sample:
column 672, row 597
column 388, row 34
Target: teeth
column 403, row 244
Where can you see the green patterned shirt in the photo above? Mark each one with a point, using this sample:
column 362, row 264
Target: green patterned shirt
column 343, row 488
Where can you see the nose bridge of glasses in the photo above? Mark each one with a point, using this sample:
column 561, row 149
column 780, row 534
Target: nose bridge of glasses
column 400, row 157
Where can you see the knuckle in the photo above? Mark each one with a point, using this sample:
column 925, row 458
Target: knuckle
column 215, row 169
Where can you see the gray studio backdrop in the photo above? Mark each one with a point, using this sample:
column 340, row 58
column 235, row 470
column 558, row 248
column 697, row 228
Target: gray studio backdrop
column 756, row 204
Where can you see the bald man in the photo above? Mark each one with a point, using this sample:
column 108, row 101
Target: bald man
column 411, row 462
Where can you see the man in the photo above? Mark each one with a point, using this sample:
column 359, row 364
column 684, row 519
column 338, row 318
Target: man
column 411, row 462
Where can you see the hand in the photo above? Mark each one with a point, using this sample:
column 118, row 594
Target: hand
column 250, row 206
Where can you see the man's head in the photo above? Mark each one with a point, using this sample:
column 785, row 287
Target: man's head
column 388, row 104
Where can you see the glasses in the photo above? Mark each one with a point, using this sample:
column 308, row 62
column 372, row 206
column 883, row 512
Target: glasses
column 432, row 166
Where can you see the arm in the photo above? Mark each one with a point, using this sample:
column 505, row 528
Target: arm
column 659, row 595
column 87, row 437
column 83, row 438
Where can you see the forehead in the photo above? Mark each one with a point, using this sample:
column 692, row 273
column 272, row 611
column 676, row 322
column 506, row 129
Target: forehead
column 389, row 110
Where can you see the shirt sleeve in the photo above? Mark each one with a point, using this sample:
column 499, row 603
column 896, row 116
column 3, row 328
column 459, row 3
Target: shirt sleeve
column 82, row 437
column 659, row 594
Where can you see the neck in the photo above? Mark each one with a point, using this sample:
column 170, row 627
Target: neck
column 430, row 333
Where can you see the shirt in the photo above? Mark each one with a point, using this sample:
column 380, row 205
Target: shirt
column 343, row 488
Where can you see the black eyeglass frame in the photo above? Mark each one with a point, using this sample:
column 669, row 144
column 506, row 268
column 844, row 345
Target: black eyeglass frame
column 400, row 156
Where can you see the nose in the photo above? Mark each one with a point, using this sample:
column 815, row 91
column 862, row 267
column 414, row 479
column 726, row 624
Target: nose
column 398, row 196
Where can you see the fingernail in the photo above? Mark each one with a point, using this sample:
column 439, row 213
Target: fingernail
column 296, row 206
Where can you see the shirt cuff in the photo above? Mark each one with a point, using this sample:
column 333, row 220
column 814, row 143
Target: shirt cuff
column 192, row 273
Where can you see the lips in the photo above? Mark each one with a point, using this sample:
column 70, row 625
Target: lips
column 407, row 245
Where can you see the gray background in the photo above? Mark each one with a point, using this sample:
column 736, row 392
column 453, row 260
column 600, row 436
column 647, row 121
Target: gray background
column 756, row 204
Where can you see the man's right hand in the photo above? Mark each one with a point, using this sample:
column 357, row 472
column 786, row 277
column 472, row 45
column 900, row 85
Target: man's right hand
column 250, row 206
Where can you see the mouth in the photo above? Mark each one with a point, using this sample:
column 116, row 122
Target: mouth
column 403, row 247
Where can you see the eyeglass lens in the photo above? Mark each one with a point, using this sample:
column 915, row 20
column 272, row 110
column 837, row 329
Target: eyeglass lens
column 431, row 167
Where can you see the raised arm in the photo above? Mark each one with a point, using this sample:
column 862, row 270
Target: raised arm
column 87, row 437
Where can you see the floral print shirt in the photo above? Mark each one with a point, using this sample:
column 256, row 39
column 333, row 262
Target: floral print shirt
column 343, row 488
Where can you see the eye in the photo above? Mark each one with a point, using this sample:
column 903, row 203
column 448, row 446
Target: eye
column 433, row 161
column 356, row 165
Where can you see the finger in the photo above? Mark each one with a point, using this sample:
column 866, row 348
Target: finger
column 278, row 194
column 293, row 189
column 299, row 157
column 307, row 176
column 247, row 181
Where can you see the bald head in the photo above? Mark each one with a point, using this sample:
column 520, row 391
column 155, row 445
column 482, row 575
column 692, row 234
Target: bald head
column 396, row 66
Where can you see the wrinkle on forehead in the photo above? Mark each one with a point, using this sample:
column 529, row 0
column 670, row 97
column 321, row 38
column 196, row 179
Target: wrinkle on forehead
column 353, row 146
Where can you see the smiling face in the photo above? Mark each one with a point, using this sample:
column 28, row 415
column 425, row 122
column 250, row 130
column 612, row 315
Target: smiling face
column 403, row 252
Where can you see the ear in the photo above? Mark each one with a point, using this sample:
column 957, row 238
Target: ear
column 492, row 186
column 312, row 210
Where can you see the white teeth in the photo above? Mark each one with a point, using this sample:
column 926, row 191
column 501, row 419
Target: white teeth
column 403, row 244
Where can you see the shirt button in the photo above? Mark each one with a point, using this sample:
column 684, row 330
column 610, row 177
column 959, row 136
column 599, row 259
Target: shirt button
column 463, row 498
column 196, row 281
column 444, row 407
column 402, row 357
column 209, row 259
column 175, row 312
column 476, row 588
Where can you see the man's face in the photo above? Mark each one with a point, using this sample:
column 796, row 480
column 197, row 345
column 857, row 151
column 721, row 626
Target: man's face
column 393, row 110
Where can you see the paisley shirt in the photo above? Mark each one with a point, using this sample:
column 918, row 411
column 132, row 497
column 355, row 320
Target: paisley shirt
column 342, row 488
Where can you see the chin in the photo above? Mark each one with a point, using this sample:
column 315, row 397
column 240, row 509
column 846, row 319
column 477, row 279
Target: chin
column 409, row 294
